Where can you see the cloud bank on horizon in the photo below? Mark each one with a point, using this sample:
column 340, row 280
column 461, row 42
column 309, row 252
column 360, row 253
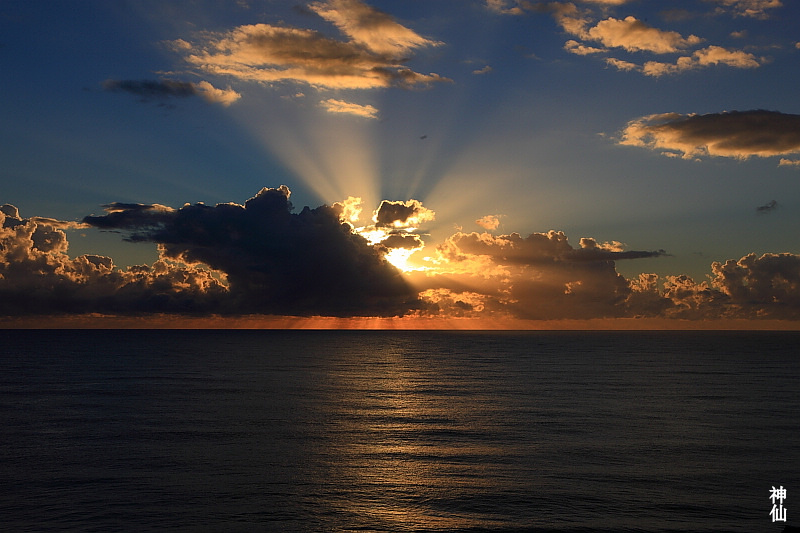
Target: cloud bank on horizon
column 261, row 258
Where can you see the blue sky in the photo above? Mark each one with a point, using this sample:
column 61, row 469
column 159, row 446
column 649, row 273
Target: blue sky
column 669, row 128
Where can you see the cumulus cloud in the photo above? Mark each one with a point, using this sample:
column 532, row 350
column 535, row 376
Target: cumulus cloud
column 274, row 261
column 410, row 213
column 737, row 134
column 620, row 64
column 574, row 47
column 634, row 35
column 218, row 96
column 37, row 276
column 709, row 56
column 149, row 90
column 490, row 222
column 543, row 277
column 261, row 258
column 539, row 276
column 759, row 287
column 332, row 105
column 372, row 57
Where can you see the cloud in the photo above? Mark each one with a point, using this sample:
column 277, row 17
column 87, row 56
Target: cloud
column 274, row 261
column 634, row 35
column 750, row 8
column 410, row 213
column 760, row 287
column 789, row 162
column 620, row 64
column 261, row 258
column 770, row 206
column 706, row 57
column 219, row 96
column 737, row 134
column 543, row 277
column 332, row 105
column 608, row 2
column 372, row 57
column 370, row 28
column 490, row 222
column 535, row 277
column 37, row 276
column 502, row 6
column 149, row 90
column 580, row 49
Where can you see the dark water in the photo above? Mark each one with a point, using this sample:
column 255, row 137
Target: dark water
column 397, row 431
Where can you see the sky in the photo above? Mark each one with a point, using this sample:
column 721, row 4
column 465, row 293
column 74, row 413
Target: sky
column 493, row 161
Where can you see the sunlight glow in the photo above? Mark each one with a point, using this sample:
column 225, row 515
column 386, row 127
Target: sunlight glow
column 399, row 258
column 334, row 156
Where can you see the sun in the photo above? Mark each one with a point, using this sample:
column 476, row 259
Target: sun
column 399, row 258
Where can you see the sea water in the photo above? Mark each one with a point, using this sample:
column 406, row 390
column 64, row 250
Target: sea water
column 398, row 431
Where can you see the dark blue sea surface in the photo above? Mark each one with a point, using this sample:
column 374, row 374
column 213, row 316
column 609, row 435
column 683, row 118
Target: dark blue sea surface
column 398, row 431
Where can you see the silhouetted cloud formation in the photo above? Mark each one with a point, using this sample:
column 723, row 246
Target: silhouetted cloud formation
column 262, row 258
column 274, row 261
column 402, row 214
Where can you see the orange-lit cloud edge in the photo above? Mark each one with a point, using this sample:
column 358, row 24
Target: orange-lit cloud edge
column 265, row 322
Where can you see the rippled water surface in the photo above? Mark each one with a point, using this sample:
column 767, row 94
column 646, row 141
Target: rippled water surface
column 397, row 431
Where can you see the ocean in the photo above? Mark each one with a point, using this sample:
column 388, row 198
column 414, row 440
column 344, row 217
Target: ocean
column 295, row 431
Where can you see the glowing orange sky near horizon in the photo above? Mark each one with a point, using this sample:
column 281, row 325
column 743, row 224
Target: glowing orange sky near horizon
column 389, row 323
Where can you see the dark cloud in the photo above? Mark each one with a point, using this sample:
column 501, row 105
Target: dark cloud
column 768, row 207
column 737, row 134
column 408, row 241
column 152, row 89
column 163, row 90
column 538, row 248
column 262, row 258
column 275, row 261
column 135, row 217
column 408, row 213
